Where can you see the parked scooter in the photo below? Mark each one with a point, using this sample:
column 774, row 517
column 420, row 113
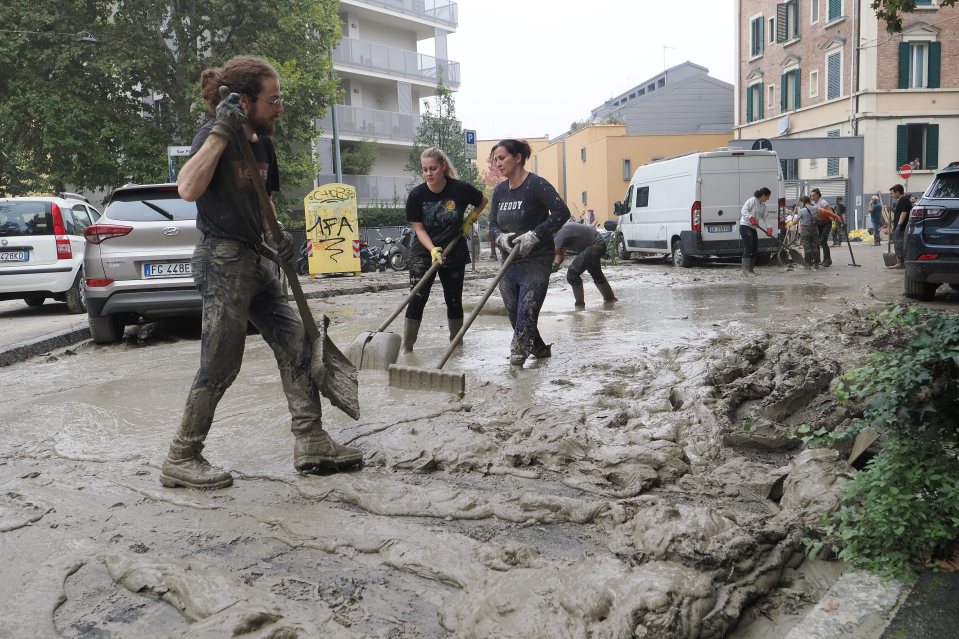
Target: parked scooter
column 371, row 258
column 392, row 250
column 303, row 261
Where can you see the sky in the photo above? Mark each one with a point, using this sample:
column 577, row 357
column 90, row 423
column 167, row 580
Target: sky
column 530, row 68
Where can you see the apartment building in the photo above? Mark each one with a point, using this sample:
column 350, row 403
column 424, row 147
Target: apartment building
column 828, row 68
column 384, row 78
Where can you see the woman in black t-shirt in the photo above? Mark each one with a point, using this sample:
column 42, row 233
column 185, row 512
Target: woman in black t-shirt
column 436, row 211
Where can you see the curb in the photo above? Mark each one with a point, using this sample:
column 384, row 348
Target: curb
column 43, row 344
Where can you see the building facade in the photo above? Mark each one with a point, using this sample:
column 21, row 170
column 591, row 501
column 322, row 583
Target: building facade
column 384, row 78
column 828, row 68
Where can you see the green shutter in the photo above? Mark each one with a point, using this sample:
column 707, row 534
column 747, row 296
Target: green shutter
column 902, row 141
column 761, row 89
column 935, row 51
column 783, row 107
column 903, row 65
column 798, row 80
column 749, row 104
column 932, row 147
column 762, row 34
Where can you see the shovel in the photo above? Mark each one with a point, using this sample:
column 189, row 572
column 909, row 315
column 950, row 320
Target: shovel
column 334, row 375
column 434, row 379
column 889, row 258
column 377, row 350
column 785, row 255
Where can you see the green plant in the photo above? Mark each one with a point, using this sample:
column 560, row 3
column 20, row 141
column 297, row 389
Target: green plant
column 358, row 158
column 903, row 507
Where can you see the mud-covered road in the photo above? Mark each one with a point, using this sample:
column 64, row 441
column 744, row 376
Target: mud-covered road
column 643, row 482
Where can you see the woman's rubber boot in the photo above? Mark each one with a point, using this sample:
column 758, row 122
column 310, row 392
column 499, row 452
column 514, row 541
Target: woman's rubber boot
column 748, row 263
column 579, row 296
column 185, row 466
column 410, row 330
column 606, row 291
column 455, row 326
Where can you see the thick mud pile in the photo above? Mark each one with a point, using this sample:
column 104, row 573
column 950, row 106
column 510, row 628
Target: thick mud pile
column 653, row 488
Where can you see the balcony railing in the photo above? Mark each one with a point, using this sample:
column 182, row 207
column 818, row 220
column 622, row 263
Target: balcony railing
column 376, row 189
column 440, row 11
column 372, row 123
column 373, row 56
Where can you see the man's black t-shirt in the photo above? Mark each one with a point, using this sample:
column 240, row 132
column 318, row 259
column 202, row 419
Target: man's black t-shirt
column 532, row 206
column 229, row 208
column 442, row 217
column 575, row 237
column 904, row 205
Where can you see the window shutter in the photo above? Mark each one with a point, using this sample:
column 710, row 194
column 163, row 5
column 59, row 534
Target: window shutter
column 762, row 34
column 833, row 89
column 932, row 147
column 783, row 93
column 781, row 22
column 902, row 140
column 760, row 99
column 797, row 77
column 903, row 65
column 835, row 9
column 749, row 104
column 935, row 51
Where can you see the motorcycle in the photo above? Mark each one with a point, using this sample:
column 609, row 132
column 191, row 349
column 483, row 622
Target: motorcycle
column 303, row 261
column 393, row 250
column 371, row 258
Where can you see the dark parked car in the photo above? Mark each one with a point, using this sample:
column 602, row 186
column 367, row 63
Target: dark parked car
column 932, row 237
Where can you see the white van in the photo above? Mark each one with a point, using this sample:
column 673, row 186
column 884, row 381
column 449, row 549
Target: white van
column 689, row 206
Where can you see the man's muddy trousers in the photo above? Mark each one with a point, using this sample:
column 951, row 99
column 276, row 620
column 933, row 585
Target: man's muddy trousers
column 238, row 285
column 590, row 261
column 523, row 288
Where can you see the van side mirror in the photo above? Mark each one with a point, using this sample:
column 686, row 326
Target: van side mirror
column 618, row 208
column 610, row 225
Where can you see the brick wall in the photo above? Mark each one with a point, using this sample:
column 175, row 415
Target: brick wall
column 946, row 19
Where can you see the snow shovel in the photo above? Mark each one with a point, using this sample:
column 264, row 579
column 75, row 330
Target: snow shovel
column 376, row 350
column 334, row 375
column 434, row 379
column 851, row 256
column 785, row 255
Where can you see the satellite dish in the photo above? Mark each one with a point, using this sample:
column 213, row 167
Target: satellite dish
column 762, row 144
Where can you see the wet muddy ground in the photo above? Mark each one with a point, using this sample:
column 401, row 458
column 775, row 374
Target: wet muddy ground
column 645, row 481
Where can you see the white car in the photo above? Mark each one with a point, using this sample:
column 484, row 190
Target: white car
column 41, row 248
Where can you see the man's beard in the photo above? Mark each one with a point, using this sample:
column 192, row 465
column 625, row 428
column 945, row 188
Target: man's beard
column 266, row 126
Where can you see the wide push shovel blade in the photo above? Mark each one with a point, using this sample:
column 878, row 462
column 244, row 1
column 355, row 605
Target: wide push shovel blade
column 374, row 350
column 421, row 379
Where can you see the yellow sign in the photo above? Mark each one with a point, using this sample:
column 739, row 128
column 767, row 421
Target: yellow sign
column 332, row 229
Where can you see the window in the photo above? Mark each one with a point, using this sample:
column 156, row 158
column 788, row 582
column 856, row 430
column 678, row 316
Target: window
column 787, row 21
column 923, row 3
column 754, row 102
column 919, row 65
column 627, row 169
column 813, row 163
column 642, row 196
column 582, row 154
column 814, row 84
column 789, row 94
column 628, row 200
column 832, row 164
column 789, row 169
column 918, row 141
column 771, row 100
column 584, row 197
column 835, row 10
column 660, row 83
column 772, row 30
column 834, row 75
column 814, row 11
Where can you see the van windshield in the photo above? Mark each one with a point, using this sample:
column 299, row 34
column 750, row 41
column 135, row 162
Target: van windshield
column 25, row 218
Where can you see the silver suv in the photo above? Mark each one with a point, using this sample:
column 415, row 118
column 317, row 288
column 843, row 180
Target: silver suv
column 41, row 248
column 137, row 260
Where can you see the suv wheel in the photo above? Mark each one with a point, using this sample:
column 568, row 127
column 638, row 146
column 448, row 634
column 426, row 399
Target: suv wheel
column 679, row 257
column 75, row 297
column 621, row 251
column 106, row 329
column 34, row 301
column 922, row 291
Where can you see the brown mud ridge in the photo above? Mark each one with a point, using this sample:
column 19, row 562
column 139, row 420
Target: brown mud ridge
column 664, row 507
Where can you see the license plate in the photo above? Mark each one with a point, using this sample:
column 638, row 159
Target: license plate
column 719, row 228
column 167, row 269
column 14, row 256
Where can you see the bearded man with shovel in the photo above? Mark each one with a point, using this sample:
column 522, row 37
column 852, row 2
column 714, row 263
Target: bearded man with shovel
column 235, row 280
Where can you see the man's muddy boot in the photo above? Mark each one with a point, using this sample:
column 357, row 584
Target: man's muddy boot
column 410, row 330
column 543, row 351
column 606, row 291
column 455, row 326
column 185, row 466
column 578, row 296
column 316, row 452
column 517, row 359
column 748, row 263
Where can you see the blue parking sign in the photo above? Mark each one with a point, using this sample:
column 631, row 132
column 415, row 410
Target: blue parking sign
column 469, row 136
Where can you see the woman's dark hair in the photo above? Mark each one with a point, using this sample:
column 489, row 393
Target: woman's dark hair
column 761, row 192
column 817, row 192
column 514, row 147
column 804, row 200
column 243, row 74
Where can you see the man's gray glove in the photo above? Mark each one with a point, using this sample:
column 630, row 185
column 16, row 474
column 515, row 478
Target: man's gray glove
column 554, row 267
column 285, row 249
column 503, row 240
column 230, row 117
column 526, row 243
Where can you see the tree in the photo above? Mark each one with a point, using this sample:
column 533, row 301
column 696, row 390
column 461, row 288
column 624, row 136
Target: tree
column 96, row 117
column 358, row 158
column 891, row 10
column 440, row 128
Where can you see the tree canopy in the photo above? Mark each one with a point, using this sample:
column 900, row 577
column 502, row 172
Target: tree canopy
column 94, row 116
column 891, row 11
column 440, row 128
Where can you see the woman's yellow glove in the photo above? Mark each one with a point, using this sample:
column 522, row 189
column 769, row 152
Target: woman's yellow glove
column 468, row 221
column 437, row 254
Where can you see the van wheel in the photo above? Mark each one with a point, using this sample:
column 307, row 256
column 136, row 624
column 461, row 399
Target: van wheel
column 679, row 257
column 621, row 251
column 922, row 291
column 106, row 329
column 76, row 297
column 35, row 301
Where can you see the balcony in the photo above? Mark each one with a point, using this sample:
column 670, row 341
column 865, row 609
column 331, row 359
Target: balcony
column 372, row 123
column 440, row 11
column 376, row 189
column 379, row 58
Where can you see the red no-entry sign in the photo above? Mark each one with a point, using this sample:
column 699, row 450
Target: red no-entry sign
column 905, row 171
